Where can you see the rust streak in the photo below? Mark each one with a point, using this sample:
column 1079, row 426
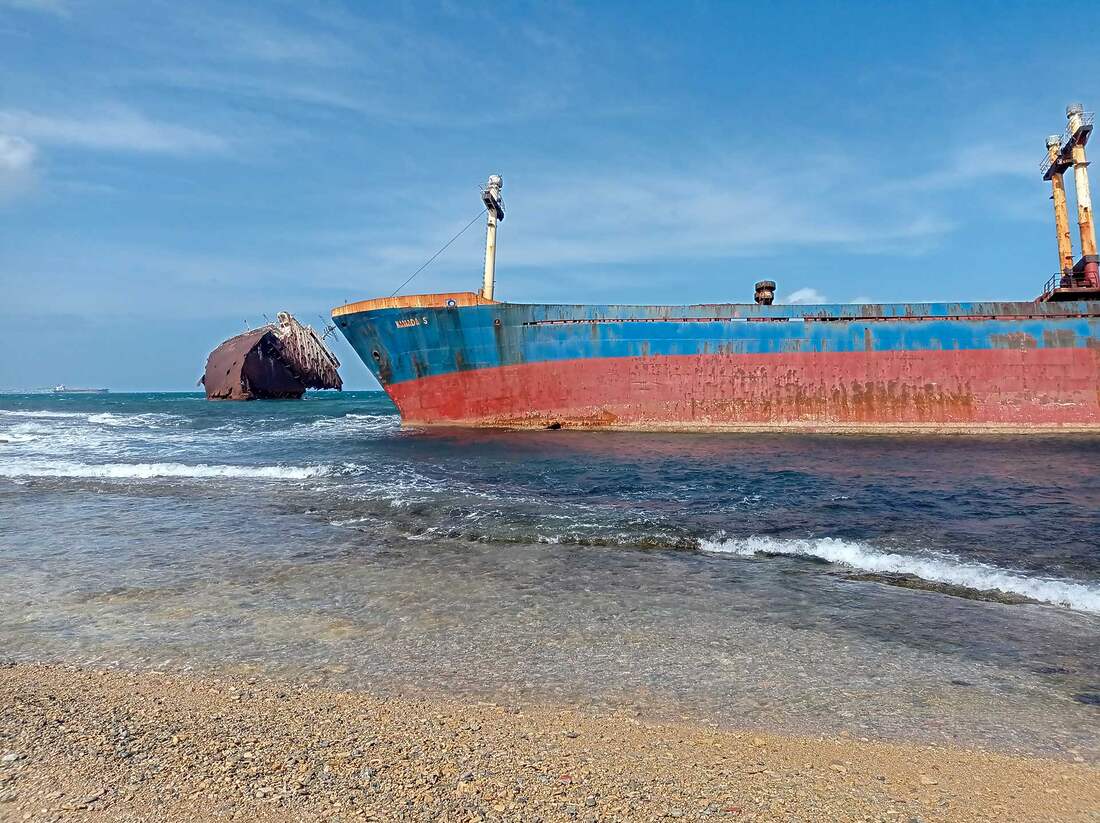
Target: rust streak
column 1059, row 338
column 415, row 301
column 1013, row 340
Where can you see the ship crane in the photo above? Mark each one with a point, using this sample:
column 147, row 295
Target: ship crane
column 1080, row 280
column 494, row 207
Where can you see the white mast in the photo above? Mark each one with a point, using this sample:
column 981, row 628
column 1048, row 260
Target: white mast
column 1078, row 136
column 490, row 196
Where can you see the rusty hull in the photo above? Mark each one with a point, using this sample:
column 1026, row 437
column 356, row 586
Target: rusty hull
column 249, row 367
column 880, row 367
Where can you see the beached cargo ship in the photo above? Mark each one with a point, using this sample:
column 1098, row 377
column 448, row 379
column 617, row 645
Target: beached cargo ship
column 460, row 359
column 467, row 359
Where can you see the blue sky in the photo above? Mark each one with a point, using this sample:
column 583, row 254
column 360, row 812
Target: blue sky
column 171, row 171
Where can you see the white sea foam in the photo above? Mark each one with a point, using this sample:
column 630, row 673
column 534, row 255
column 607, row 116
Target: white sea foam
column 353, row 423
column 39, row 413
column 977, row 576
column 146, row 471
column 63, row 440
column 65, row 433
column 22, row 433
column 147, row 420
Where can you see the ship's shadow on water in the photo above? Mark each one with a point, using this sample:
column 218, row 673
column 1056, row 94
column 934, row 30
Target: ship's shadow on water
column 940, row 588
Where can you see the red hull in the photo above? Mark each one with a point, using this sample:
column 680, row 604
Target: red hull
column 993, row 388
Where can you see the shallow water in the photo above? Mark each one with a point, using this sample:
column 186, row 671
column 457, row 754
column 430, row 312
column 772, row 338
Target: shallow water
column 722, row 578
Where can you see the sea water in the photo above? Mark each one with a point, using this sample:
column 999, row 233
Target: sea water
column 937, row 589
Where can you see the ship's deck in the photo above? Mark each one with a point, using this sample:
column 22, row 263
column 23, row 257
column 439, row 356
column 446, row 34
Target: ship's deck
column 415, row 301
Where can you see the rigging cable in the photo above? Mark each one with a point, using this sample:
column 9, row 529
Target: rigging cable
column 445, row 245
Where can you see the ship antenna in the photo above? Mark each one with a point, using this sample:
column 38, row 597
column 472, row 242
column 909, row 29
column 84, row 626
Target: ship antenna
column 441, row 250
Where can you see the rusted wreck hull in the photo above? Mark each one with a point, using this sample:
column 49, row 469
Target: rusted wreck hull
column 247, row 367
column 277, row 361
column 922, row 367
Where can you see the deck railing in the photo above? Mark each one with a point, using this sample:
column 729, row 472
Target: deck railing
column 1086, row 120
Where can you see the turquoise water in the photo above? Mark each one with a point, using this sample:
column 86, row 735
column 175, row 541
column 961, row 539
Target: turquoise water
column 737, row 579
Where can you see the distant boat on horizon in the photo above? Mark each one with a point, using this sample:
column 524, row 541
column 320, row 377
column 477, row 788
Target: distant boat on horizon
column 63, row 389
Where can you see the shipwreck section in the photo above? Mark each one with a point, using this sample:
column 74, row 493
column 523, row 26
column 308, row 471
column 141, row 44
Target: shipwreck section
column 277, row 361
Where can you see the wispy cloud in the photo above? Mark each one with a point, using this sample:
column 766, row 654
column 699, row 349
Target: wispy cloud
column 979, row 161
column 390, row 68
column 16, row 154
column 55, row 7
column 241, row 34
column 228, row 84
column 17, row 159
column 700, row 213
column 807, row 296
column 279, row 45
column 111, row 128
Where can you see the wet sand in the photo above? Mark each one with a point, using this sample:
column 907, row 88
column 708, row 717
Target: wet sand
column 91, row 744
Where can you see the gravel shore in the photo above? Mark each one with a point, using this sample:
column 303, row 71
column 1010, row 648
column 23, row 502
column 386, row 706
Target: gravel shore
column 97, row 745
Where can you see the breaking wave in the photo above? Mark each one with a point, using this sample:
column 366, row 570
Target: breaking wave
column 39, row 413
column 147, row 471
column 353, row 423
column 22, row 433
column 976, row 576
column 148, row 420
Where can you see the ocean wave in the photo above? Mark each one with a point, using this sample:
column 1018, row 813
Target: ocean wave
column 147, row 420
column 22, row 433
column 48, row 440
column 352, row 423
column 976, row 576
column 243, row 431
column 39, row 413
column 164, row 436
column 148, row 471
column 14, row 439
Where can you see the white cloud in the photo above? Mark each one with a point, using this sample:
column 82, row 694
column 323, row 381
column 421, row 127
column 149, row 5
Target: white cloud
column 16, row 154
column 113, row 128
column 57, row 7
column 17, row 158
column 280, row 45
column 641, row 217
column 966, row 167
column 806, row 296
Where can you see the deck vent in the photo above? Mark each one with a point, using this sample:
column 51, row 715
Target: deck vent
column 765, row 292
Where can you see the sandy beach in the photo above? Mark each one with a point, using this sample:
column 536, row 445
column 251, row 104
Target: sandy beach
column 91, row 744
